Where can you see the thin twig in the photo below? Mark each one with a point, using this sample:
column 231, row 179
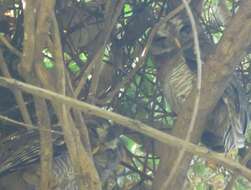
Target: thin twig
column 98, row 56
column 139, row 65
column 62, row 110
column 79, row 119
column 24, row 125
column 110, row 22
column 46, row 145
column 82, row 161
column 143, row 55
column 181, row 154
column 136, row 170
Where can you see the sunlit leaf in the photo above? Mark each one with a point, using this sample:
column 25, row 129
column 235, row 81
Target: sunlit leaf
column 128, row 10
column 73, row 67
column 48, row 64
column 242, row 184
column 201, row 186
column 83, row 57
column 128, row 142
column 199, row 168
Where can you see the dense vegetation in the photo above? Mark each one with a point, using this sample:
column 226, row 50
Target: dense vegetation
column 116, row 55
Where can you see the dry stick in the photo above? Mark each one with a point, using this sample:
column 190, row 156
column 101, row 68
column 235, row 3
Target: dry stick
column 78, row 117
column 181, row 154
column 46, row 7
column 128, row 123
column 24, row 125
column 43, row 13
column 18, row 95
column 141, row 62
column 26, row 69
column 143, row 55
column 25, row 66
column 46, row 154
column 81, row 160
column 98, row 57
column 85, row 164
column 67, row 127
column 63, row 110
column 105, row 35
column 79, row 120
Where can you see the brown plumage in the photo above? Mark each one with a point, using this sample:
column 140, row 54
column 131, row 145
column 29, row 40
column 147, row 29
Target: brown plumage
column 19, row 153
column 173, row 54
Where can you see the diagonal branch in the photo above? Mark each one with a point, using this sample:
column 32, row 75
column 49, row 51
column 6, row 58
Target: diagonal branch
column 110, row 23
column 126, row 122
column 143, row 54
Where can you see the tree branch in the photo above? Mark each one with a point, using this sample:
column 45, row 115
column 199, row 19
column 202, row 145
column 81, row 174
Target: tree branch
column 126, row 122
column 216, row 74
column 188, row 136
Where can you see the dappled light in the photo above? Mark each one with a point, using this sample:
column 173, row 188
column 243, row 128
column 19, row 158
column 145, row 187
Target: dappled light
column 125, row 94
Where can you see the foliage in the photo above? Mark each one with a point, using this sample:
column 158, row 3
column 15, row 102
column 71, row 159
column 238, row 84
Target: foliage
column 119, row 82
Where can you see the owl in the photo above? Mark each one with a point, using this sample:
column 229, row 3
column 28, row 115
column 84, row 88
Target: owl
column 172, row 50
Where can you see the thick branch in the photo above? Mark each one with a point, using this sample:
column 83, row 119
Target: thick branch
column 216, row 74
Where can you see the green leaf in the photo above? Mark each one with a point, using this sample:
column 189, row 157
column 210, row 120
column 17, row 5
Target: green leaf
column 199, row 168
column 168, row 121
column 128, row 10
column 47, row 61
column 83, row 57
column 73, row 67
column 241, row 184
column 131, row 90
column 217, row 36
column 48, row 64
column 128, row 142
column 147, row 88
column 149, row 61
column 201, row 186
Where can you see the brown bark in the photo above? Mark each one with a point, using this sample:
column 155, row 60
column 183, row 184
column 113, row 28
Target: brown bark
column 129, row 123
column 216, row 73
column 39, row 16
